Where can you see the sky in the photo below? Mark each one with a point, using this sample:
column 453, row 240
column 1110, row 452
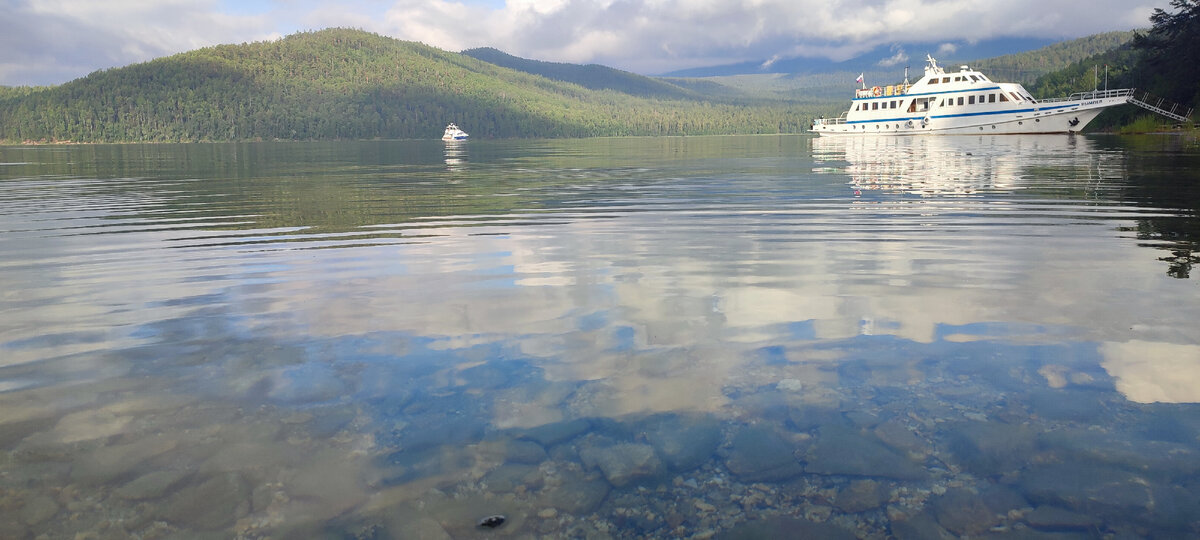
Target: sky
column 55, row 41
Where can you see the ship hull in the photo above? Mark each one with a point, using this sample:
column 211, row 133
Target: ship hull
column 1053, row 117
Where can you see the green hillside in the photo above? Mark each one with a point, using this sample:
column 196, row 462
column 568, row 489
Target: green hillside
column 350, row 84
column 593, row 76
column 1026, row 67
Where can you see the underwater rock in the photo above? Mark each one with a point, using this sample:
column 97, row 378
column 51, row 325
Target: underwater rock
column 896, row 435
column 110, row 463
column 962, row 512
column 922, row 526
column 758, row 454
column 212, row 504
column 990, row 448
column 787, row 527
column 575, row 493
column 860, row 496
column 623, row 463
column 39, row 509
column 1087, row 487
column 808, row 418
column 551, row 434
column 491, row 522
column 684, row 443
column 151, row 485
column 845, row 451
column 506, row 478
column 1054, row 518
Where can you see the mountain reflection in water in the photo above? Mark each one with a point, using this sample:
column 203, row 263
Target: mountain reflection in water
column 677, row 337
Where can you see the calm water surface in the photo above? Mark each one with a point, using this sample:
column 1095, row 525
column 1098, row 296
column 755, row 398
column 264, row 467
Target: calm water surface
column 634, row 337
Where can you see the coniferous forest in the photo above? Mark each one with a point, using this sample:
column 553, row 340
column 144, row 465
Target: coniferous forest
column 350, row 84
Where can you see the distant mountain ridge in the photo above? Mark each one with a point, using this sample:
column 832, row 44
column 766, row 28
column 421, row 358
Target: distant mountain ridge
column 593, row 76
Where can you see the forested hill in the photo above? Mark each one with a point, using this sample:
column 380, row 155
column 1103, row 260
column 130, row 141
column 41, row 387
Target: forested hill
column 592, row 76
column 1026, row 67
column 349, row 84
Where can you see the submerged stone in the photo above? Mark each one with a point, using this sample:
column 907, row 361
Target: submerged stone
column 575, row 493
column 623, row 463
column 212, row 504
column 964, row 513
column 922, row 526
column 759, row 454
column 1110, row 493
column 845, row 451
column 787, row 527
column 860, row 496
column 990, row 448
column 151, row 485
column 684, row 443
column 551, row 434
column 1056, row 519
column 506, row 478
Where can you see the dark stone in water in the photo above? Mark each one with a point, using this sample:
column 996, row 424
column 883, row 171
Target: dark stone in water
column 963, row 512
column 551, row 434
column 761, row 455
column 810, row 418
column 576, row 494
column 787, row 527
column 846, row 451
column 922, row 526
column 990, row 448
column 491, row 522
column 1086, row 487
column 623, row 463
column 213, row 504
column 506, row 478
column 684, row 443
column 1160, row 459
column 860, row 496
column 1054, row 518
column 1066, row 404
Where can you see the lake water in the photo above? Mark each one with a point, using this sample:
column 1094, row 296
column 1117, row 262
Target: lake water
column 736, row 337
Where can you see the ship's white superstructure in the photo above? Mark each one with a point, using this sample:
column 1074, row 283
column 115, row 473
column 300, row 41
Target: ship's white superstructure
column 964, row 102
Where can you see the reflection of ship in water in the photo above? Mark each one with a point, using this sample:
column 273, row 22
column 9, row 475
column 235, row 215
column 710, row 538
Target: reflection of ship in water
column 948, row 165
column 456, row 157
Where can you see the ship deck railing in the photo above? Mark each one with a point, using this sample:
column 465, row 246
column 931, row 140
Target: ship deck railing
column 1095, row 94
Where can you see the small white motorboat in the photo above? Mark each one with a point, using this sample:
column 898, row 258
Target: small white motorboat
column 453, row 133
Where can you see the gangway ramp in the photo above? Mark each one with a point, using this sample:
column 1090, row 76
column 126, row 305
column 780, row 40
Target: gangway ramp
column 1159, row 105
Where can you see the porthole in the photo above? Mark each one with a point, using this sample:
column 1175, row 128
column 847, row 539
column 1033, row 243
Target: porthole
column 1020, row 123
column 1037, row 119
column 993, row 126
column 980, row 128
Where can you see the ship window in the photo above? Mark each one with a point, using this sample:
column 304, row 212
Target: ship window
column 945, row 79
column 1003, row 98
column 960, row 100
column 958, row 79
column 1015, row 96
column 894, row 104
column 991, row 98
column 875, row 106
column 933, row 80
column 970, row 100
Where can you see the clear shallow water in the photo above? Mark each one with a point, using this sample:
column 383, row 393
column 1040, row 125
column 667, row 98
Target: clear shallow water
column 619, row 337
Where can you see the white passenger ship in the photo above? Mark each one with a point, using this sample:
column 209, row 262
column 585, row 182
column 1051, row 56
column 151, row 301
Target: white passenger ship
column 963, row 103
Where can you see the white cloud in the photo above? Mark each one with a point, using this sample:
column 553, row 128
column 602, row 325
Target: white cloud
column 50, row 41
column 946, row 49
column 896, row 59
